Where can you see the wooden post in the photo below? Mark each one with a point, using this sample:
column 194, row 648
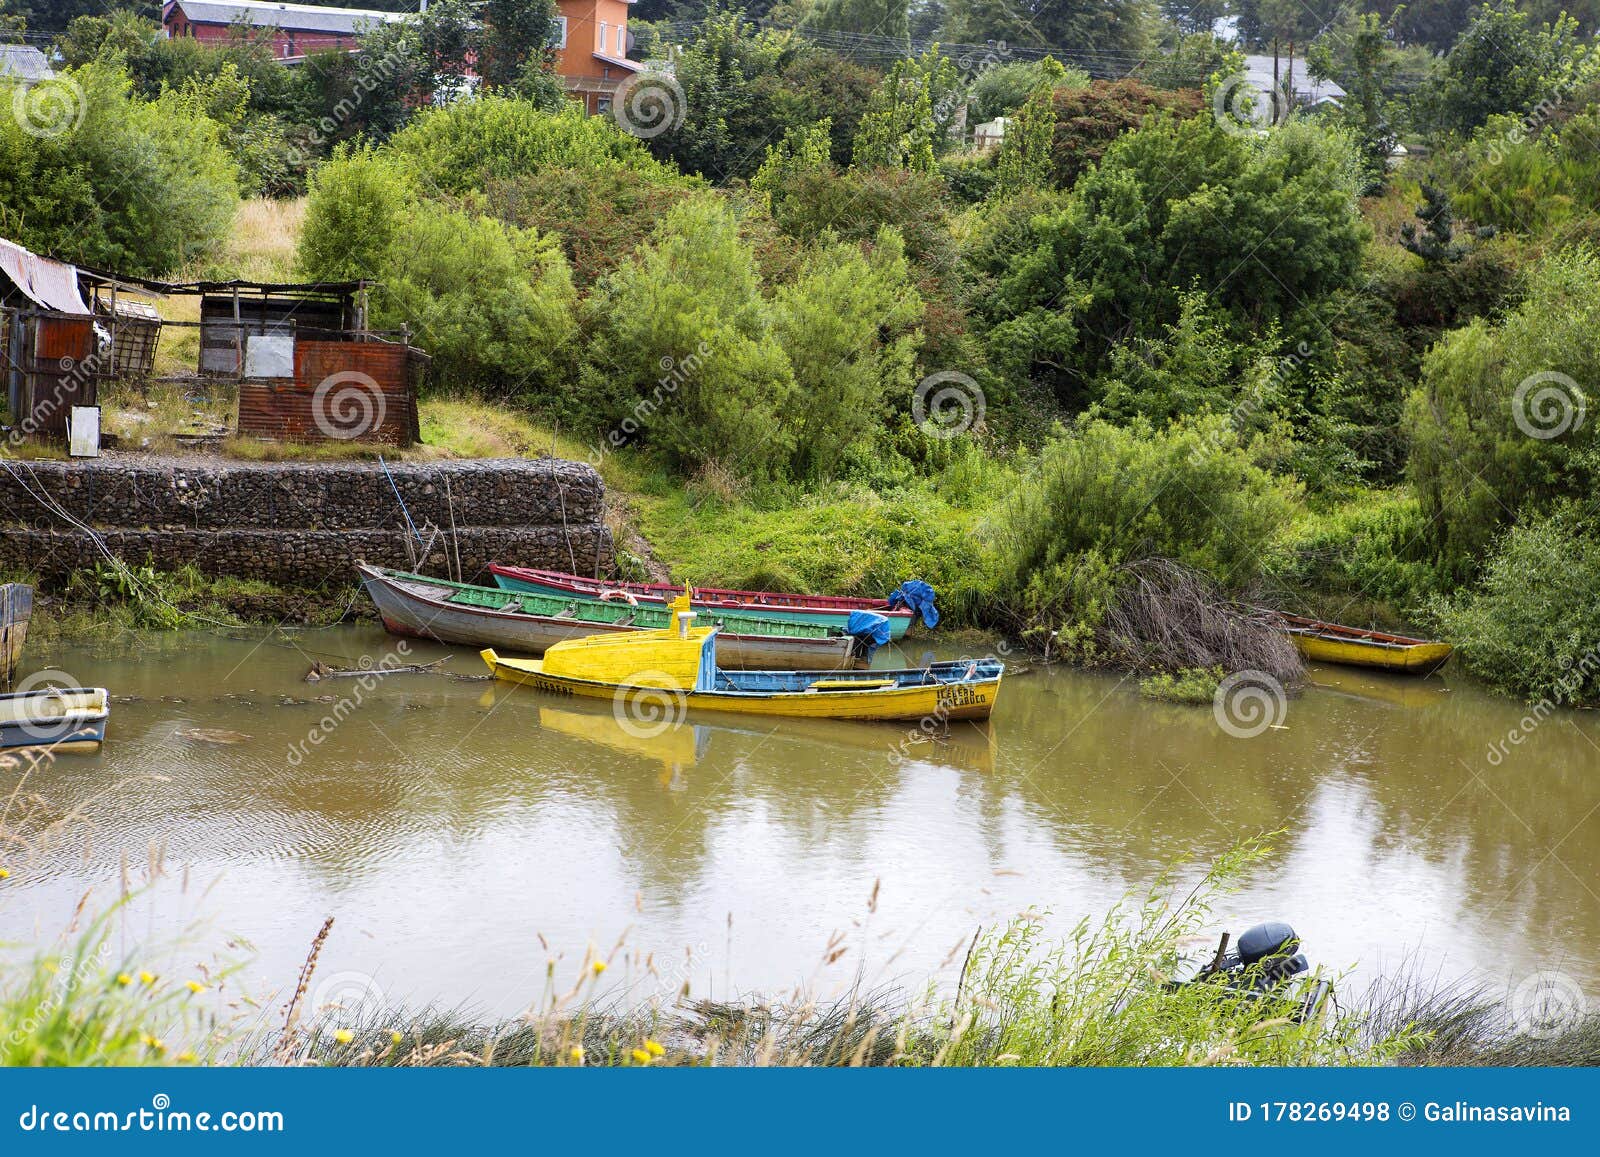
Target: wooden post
column 238, row 337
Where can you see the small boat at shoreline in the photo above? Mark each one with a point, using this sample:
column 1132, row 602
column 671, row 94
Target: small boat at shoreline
column 528, row 623
column 652, row 677
column 830, row 610
column 54, row 719
column 1323, row 642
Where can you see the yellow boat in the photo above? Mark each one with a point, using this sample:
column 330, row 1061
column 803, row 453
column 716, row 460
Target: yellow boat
column 654, row 675
column 1331, row 643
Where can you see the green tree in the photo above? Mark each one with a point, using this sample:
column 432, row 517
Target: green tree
column 872, row 17
column 847, row 324
column 1027, row 150
column 494, row 305
column 683, row 355
column 1058, row 25
column 513, row 36
column 93, row 174
column 1504, row 63
column 1501, row 426
column 1001, row 89
column 1193, row 61
column 358, row 204
column 1171, row 205
column 911, row 118
column 1364, row 54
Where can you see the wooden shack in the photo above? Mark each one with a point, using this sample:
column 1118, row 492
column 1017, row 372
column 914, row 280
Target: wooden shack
column 307, row 366
column 49, row 352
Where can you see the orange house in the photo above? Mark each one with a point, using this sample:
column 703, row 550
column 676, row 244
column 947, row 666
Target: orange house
column 592, row 49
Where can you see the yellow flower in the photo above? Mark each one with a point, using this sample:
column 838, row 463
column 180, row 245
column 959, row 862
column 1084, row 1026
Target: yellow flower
column 344, row 1036
column 4, row 875
column 395, row 1038
column 576, row 1054
column 154, row 1043
column 124, row 979
column 641, row 1056
column 187, row 1058
column 146, row 978
column 196, row 987
column 599, row 967
column 654, row 1049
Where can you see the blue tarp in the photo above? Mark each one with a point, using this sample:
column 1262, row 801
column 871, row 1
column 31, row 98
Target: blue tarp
column 868, row 625
column 917, row 595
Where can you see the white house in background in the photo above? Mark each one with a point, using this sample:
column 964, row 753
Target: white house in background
column 26, row 65
column 1307, row 91
column 989, row 134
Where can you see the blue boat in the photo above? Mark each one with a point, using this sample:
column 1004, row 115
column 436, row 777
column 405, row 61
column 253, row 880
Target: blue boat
column 54, row 719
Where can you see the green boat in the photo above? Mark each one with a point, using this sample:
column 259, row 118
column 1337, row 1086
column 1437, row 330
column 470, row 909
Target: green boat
column 527, row 623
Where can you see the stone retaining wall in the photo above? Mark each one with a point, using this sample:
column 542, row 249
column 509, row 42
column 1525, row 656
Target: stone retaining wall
column 300, row 523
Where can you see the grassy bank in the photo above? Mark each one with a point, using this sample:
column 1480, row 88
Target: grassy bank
column 1106, row 995
column 109, row 600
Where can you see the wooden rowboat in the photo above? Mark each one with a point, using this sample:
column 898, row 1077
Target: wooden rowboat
column 528, row 624
column 57, row 719
column 1331, row 643
column 653, row 677
column 831, row 610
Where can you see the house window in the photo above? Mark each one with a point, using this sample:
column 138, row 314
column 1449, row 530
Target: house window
column 558, row 35
column 603, row 27
column 622, row 45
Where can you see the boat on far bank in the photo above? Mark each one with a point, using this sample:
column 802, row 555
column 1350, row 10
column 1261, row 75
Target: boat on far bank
column 829, row 610
column 54, row 719
column 1323, row 642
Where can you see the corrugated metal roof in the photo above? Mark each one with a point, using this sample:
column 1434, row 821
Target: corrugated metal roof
column 42, row 280
column 1258, row 70
column 290, row 17
column 24, row 63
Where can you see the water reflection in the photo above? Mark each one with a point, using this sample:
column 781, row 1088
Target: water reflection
column 447, row 823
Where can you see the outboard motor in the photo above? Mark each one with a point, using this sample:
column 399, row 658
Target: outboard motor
column 1267, row 959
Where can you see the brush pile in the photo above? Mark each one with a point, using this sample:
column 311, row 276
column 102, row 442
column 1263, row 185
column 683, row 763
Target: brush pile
column 1167, row 617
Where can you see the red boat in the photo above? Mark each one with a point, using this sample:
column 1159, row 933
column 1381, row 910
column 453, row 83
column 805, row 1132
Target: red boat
column 794, row 608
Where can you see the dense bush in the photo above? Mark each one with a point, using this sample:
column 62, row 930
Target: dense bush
column 492, row 303
column 1184, row 198
column 1089, row 118
column 683, row 353
column 1532, row 626
column 691, row 356
column 1500, row 425
column 92, row 174
column 1102, row 495
column 463, row 146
